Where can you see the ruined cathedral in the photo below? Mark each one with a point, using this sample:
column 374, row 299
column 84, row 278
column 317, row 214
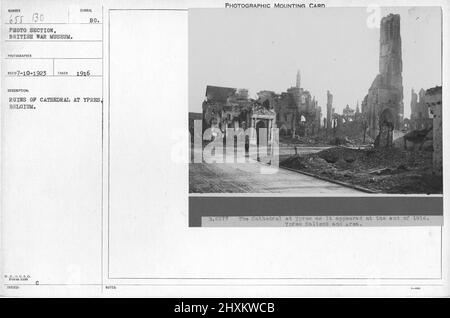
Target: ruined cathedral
column 298, row 113
column 383, row 105
column 294, row 112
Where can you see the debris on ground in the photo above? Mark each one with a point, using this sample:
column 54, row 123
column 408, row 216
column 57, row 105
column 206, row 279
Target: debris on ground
column 386, row 170
column 327, row 139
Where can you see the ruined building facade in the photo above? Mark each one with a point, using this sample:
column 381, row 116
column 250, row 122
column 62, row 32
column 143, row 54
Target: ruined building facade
column 433, row 100
column 297, row 111
column 383, row 105
column 226, row 107
column 348, row 114
column 294, row 112
column 420, row 115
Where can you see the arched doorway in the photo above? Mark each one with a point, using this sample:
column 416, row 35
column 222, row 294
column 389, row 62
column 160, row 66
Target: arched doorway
column 386, row 126
column 260, row 124
column 283, row 130
column 302, row 127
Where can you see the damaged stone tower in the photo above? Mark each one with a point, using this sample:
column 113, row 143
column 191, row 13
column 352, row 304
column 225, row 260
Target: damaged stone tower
column 384, row 111
column 329, row 109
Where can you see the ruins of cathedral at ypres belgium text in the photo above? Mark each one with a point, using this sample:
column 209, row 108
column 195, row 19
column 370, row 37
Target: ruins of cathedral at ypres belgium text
column 369, row 147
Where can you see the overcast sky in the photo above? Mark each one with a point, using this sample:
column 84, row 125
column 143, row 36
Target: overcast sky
column 333, row 48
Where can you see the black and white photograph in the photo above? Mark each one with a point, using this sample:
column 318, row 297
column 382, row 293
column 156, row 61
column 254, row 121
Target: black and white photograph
column 335, row 101
column 224, row 154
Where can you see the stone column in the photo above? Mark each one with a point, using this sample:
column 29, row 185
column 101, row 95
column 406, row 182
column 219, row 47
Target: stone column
column 329, row 110
column 269, row 132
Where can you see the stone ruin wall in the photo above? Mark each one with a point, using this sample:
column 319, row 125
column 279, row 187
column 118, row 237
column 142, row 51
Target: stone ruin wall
column 329, row 109
column 433, row 100
column 384, row 102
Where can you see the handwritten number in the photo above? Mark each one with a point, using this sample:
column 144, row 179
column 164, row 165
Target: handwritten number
column 15, row 19
column 37, row 17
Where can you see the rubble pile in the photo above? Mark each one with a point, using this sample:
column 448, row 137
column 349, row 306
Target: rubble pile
column 385, row 170
column 322, row 139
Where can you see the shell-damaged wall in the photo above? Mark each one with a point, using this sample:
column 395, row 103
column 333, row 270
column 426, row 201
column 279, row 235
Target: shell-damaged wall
column 384, row 109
